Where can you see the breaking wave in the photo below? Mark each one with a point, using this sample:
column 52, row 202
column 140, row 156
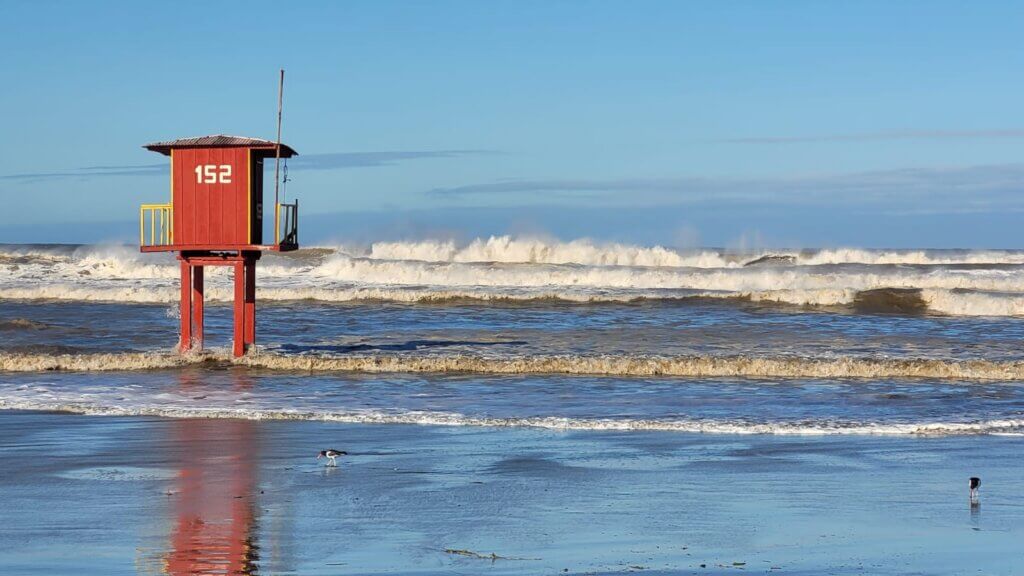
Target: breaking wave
column 604, row 365
column 499, row 269
column 119, row 259
column 507, row 249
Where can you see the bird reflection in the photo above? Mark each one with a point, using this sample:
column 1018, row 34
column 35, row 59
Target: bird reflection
column 214, row 507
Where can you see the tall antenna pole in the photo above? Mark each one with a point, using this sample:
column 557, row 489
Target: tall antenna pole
column 277, row 160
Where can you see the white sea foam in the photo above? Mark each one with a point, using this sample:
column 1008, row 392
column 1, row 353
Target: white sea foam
column 641, row 365
column 122, row 403
column 612, row 365
column 503, row 268
column 120, row 259
column 28, row 362
column 506, row 249
column 913, row 257
column 964, row 303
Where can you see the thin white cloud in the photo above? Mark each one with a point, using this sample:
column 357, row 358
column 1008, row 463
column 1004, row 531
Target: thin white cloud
column 877, row 136
column 946, row 188
column 327, row 161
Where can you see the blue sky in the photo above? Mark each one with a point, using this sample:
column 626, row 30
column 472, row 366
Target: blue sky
column 717, row 123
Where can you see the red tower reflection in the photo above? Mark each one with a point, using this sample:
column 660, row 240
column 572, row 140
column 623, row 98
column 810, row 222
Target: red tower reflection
column 216, row 496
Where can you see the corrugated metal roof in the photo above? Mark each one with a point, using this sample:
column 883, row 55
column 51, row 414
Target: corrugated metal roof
column 219, row 141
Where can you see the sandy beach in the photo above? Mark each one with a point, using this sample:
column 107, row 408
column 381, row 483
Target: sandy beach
column 125, row 495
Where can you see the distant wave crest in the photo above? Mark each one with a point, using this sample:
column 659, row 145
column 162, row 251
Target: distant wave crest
column 508, row 249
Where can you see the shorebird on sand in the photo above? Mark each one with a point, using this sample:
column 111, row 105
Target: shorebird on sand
column 331, row 454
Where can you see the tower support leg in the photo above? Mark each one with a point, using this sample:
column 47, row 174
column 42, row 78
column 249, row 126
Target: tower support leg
column 185, row 308
column 238, row 349
column 197, row 307
column 250, row 302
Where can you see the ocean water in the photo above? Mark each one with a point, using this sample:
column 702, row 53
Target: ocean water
column 511, row 332
column 516, row 406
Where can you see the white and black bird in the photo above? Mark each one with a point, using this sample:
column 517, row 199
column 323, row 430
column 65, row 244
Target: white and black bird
column 331, row 454
column 974, row 484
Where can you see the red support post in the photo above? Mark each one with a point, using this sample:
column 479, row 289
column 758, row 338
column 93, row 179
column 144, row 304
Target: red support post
column 239, row 340
column 185, row 308
column 197, row 307
column 250, row 302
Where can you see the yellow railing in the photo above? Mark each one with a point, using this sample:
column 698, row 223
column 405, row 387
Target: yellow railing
column 161, row 224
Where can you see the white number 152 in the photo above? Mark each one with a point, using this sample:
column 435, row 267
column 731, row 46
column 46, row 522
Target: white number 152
column 213, row 174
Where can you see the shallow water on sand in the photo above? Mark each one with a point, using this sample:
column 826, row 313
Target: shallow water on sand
column 178, row 496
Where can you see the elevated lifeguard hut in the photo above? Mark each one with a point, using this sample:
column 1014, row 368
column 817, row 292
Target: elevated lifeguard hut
column 215, row 218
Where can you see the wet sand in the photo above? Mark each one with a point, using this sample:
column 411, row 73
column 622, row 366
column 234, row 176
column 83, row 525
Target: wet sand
column 127, row 495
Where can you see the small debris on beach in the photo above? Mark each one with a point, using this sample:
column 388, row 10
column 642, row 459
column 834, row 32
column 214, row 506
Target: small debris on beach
column 469, row 553
column 492, row 556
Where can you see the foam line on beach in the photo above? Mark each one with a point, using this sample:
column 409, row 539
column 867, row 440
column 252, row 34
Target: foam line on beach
column 641, row 366
column 601, row 365
column 96, row 362
column 1008, row 427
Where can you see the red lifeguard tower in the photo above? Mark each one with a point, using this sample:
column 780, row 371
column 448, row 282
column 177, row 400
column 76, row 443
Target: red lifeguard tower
column 215, row 218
